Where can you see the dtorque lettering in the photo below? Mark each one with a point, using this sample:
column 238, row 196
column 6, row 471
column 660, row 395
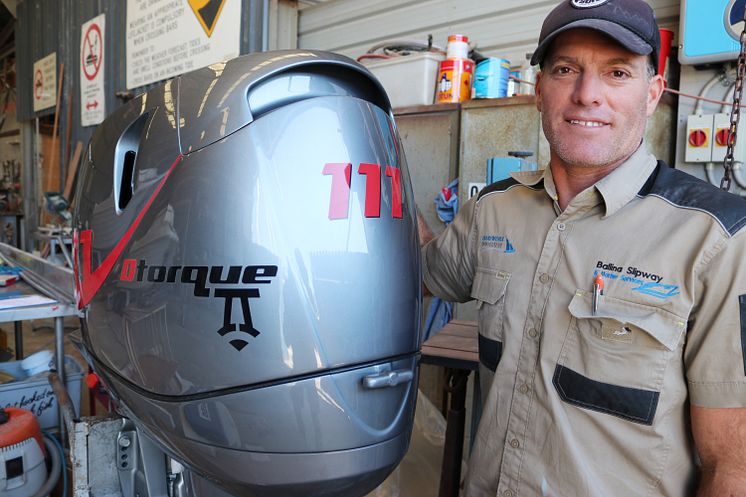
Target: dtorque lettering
column 199, row 276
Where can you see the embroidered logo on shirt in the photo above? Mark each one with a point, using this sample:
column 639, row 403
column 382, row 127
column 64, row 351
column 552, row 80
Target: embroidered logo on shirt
column 497, row 243
column 645, row 282
column 657, row 290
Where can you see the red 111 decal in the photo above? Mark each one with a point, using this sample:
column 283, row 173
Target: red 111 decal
column 340, row 194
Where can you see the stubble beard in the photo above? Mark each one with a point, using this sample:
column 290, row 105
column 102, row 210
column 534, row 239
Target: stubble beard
column 594, row 155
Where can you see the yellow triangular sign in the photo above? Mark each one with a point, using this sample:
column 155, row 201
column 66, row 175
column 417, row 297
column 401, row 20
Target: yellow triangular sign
column 207, row 12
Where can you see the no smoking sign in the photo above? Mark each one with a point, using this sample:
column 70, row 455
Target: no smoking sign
column 92, row 108
column 93, row 51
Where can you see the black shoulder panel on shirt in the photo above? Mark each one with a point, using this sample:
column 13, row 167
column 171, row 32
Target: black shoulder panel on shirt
column 504, row 185
column 684, row 190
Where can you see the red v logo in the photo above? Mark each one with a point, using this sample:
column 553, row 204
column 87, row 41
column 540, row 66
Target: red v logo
column 88, row 283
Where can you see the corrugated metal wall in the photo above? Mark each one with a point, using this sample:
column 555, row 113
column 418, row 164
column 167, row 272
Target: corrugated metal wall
column 46, row 26
column 500, row 28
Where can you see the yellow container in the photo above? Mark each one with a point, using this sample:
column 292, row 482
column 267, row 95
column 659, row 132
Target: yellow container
column 455, row 78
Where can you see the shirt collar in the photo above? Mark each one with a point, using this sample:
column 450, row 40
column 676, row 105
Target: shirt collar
column 617, row 188
column 621, row 185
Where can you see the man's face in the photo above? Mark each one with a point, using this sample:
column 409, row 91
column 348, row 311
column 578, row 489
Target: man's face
column 594, row 97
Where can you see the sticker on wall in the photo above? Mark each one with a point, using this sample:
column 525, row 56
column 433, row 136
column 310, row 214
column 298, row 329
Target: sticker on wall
column 92, row 108
column 734, row 18
column 207, row 12
column 166, row 38
column 45, row 82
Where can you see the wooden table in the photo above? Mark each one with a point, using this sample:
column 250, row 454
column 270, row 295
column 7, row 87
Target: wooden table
column 455, row 347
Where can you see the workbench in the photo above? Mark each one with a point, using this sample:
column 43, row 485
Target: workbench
column 56, row 311
column 455, row 347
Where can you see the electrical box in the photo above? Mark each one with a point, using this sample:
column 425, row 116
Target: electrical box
column 699, row 138
column 710, row 30
column 720, row 135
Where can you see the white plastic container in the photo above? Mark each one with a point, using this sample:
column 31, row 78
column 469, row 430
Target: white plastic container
column 36, row 395
column 409, row 79
column 458, row 47
column 38, row 362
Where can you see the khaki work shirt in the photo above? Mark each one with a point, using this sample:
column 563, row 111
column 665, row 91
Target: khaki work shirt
column 582, row 404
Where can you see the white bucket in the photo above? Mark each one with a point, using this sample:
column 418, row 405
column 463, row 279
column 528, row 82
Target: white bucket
column 38, row 363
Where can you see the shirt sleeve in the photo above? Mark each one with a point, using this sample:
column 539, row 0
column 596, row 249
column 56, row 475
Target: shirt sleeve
column 448, row 260
column 715, row 350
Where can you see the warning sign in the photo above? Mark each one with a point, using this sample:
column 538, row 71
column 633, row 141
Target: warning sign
column 207, row 12
column 92, row 109
column 166, row 38
column 45, row 82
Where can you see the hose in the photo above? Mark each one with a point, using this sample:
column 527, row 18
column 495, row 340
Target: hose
column 55, row 451
column 721, row 77
column 737, row 176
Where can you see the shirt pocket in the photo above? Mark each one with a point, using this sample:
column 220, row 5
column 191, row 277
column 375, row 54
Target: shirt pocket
column 488, row 289
column 614, row 361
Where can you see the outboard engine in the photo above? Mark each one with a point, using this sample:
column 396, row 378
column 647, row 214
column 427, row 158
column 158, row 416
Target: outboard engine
column 247, row 262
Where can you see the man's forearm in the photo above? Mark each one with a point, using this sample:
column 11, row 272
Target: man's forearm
column 723, row 482
column 423, row 230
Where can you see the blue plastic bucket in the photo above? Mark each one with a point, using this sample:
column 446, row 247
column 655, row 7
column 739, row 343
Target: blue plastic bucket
column 491, row 78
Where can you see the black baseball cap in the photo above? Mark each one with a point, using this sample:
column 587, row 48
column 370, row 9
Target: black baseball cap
column 629, row 22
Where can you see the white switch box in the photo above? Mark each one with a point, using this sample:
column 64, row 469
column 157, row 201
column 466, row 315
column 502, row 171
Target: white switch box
column 699, row 138
column 720, row 133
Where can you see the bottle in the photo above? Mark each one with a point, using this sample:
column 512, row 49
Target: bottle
column 456, row 73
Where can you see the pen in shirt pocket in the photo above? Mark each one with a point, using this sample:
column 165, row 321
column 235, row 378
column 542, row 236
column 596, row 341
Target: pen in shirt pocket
column 598, row 290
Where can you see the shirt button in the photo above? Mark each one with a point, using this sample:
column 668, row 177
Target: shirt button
column 533, row 333
column 508, row 493
column 515, row 443
column 561, row 226
column 544, row 278
column 523, row 388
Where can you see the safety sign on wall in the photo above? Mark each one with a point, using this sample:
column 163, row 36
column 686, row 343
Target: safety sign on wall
column 170, row 37
column 45, row 82
column 92, row 109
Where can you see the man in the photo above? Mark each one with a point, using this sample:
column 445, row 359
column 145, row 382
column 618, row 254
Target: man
column 611, row 289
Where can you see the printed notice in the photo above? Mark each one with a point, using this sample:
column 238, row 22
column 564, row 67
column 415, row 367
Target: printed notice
column 45, row 82
column 92, row 72
column 166, row 38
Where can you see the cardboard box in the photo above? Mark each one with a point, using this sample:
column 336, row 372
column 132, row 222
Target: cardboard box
column 408, row 79
column 35, row 394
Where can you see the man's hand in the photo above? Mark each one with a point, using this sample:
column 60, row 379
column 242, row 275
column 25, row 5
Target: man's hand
column 720, row 436
column 423, row 230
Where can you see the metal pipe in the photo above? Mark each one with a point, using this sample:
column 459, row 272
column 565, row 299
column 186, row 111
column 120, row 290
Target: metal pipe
column 67, row 409
column 18, row 334
column 265, row 25
column 710, row 175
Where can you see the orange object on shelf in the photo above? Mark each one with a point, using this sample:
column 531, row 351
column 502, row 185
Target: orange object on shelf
column 454, row 80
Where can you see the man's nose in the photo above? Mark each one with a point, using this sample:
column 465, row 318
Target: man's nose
column 588, row 89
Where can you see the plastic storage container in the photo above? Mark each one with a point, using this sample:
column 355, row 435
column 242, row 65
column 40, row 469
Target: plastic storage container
column 409, row 79
column 38, row 362
column 35, row 394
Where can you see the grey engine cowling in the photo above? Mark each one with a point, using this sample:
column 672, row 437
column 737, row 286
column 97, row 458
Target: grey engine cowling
column 248, row 265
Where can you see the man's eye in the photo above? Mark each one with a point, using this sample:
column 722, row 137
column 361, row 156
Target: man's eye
column 619, row 74
column 562, row 70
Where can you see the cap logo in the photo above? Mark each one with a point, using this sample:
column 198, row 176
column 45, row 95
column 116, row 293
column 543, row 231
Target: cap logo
column 587, row 4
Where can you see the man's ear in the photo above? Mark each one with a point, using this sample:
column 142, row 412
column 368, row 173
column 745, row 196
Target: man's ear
column 655, row 92
column 537, row 90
